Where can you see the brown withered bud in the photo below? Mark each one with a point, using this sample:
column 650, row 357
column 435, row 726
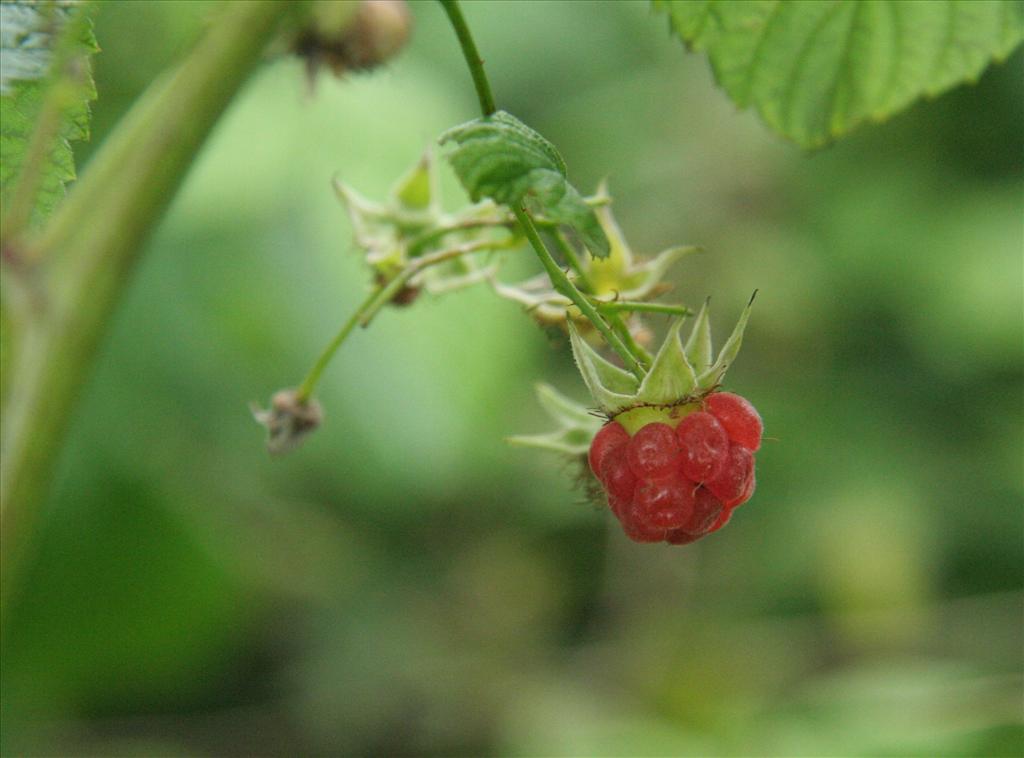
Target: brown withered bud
column 344, row 40
column 288, row 420
column 405, row 296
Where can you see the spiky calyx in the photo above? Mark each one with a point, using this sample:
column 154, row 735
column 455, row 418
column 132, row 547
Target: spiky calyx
column 676, row 384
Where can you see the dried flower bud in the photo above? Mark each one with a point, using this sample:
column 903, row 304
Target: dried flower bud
column 405, row 296
column 288, row 420
column 346, row 40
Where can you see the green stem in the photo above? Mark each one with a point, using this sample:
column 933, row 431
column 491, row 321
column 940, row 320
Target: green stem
column 87, row 251
column 377, row 299
column 631, row 306
column 622, row 329
column 563, row 284
column 305, row 390
column 614, row 319
column 473, row 59
column 418, row 244
column 573, row 260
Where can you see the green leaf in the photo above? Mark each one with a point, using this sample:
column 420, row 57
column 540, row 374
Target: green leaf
column 816, row 70
column 502, row 158
column 45, row 87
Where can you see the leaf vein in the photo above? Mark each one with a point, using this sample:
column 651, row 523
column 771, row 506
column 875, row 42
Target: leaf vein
column 758, row 56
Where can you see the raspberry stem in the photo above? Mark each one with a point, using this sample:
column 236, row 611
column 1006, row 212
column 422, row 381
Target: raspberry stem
column 614, row 319
column 616, row 306
column 472, row 55
column 419, row 244
column 380, row 296
column 561, row 282
column 567, row 250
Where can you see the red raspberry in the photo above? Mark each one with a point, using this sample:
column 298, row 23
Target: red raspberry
column 705, row 446
column 707, row 509
column 722, row 520
column 640, row 533
column 666, row 502
column 610, row 436
column 681, row 537
column 654, row 451
column 679, row 484
column 738, row 417
column 730, row 485
column 619, row 506
column 617, row 476
column 747, row 491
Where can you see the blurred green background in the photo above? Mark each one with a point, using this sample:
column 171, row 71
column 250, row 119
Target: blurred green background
column 407, row 584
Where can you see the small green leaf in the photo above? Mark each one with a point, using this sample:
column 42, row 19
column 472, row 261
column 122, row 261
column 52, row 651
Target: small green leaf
column 698, row 347
column 671, row 377
column 502, row 158
column 816, row 70
column 612, row 387
column 44, row 77
column 730, row 349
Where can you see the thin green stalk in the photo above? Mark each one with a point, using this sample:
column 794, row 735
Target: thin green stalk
column 473, row 59
column 563, row 284
column 377, row 299
column 614, row 319
column 418, row 244
column 87, row 250
column 305, row 390
column 573, row 260
column 622, row 329
column 631, row 306
column 420, row 264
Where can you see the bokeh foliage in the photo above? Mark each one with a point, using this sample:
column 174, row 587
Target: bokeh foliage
column 407, row 583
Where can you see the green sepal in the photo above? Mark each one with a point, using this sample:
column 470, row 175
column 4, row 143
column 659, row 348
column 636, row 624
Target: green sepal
column 677, row 376
column 714, row 375
column 569, row 441
column 656, row 268
column 418, row 189
column 671, row 376
column 613, row 388
column 698, row 347
column 368, row 217
column 565, row 411
column 576, row 425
